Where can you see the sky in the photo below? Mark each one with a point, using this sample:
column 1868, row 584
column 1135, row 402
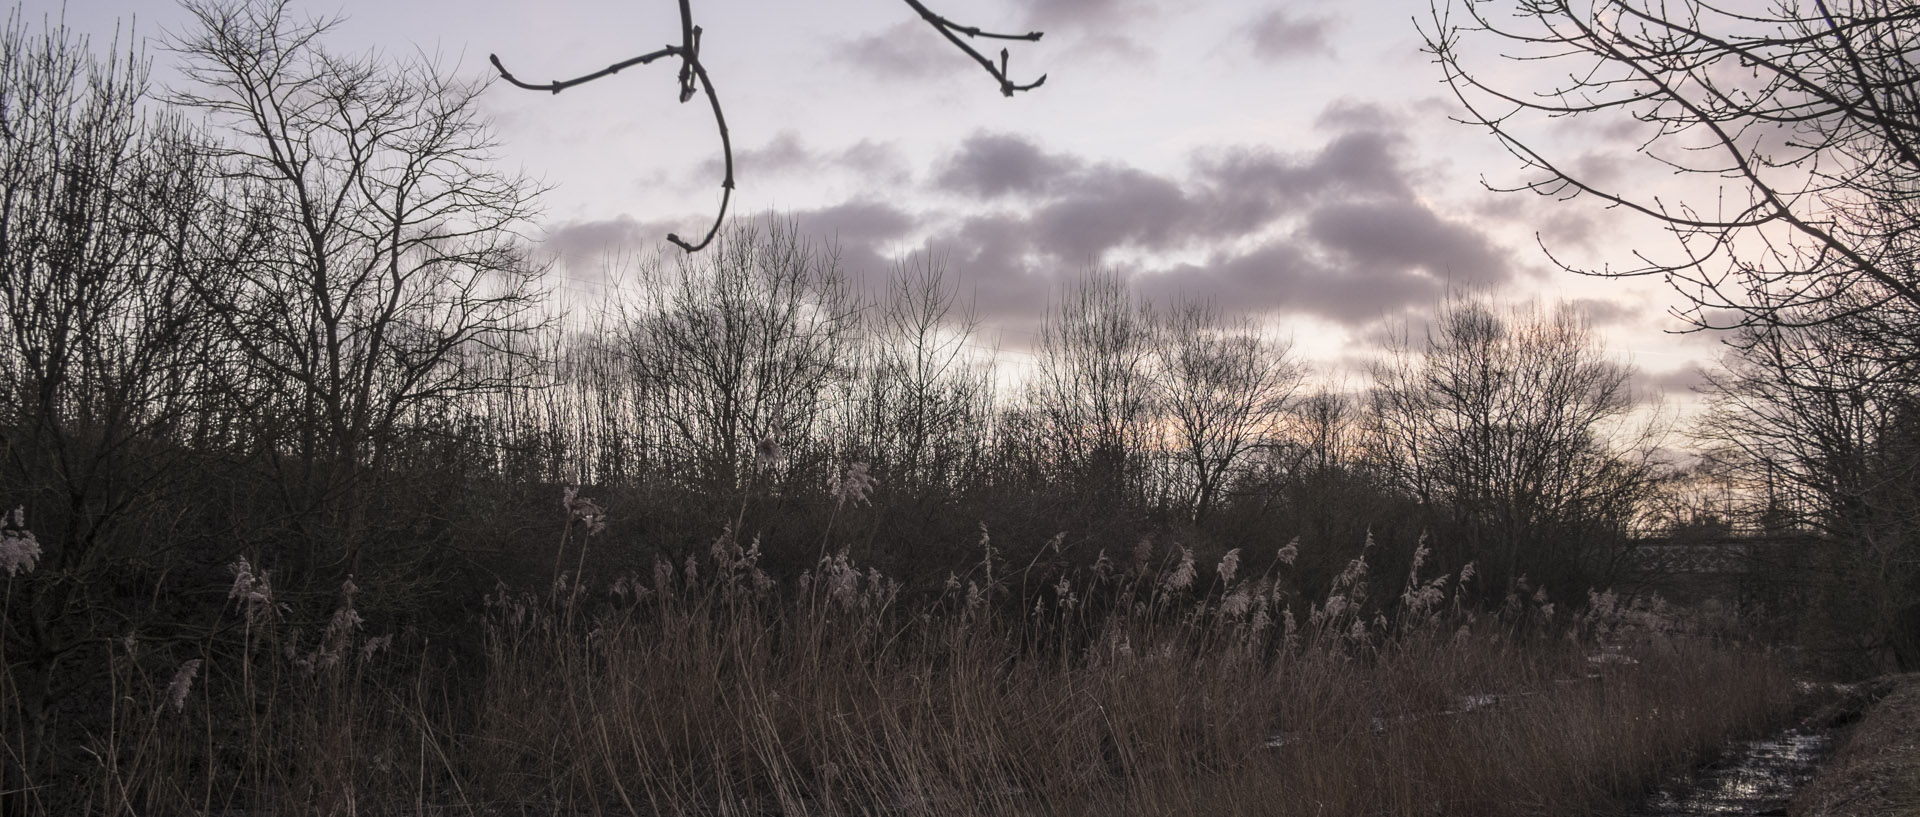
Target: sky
column 1292, row 161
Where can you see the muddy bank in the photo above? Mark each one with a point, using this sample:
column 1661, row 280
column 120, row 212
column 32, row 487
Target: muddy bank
column 1876, row 770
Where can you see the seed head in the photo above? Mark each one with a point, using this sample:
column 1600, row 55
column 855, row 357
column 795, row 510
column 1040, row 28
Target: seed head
column 1229, row 564
column 253, row 589
column 1182, row 576
column 585, row 510
column 1236, row 603
column 182, row 684
column 1142, row 552
column 18, row 549
column 855, row 486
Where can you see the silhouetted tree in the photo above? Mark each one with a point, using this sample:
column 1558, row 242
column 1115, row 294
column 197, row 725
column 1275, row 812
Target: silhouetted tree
column 1511, row 427
column 1823, row 437
column 1223, row 389
column 1093, row 388
column 735, row 351
column 381, row 262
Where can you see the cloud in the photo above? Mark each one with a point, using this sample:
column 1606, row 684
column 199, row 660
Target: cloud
column 1115, row 206
column 1258, row 183
column 1087, row 14
column 1372, row 237
column 785, row 152
column 859, row 233
column 788, row 154
column 877, row 161
column 994, row 164
column 588, row 250
column 1348, row 113
column 1079, row 211
column 1559, row 225
column 1601, row 312
column 1292, row 276
column 1337, row 232
column 1079, row 31
column 1278, row 35
column 902, row 52
column 1683, row 381
column 862, row 221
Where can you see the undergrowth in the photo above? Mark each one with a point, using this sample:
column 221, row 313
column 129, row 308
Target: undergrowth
column 1145, row 684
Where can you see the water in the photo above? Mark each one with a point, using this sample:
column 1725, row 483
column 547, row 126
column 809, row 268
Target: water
column 1755, row 779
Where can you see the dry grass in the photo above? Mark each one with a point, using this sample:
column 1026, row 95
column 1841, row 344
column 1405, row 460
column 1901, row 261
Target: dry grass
column 708, row 688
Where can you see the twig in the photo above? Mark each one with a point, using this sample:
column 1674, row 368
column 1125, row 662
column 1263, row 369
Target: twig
column 949, row 29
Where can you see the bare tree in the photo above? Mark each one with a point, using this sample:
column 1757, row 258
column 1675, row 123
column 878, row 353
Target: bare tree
column 1800, row 123
column 1819, row 436
column 735, row 349
column 382, row 256
column 1093, row 387
column 1223, row 389
column 1511, row 426
column 923, row 398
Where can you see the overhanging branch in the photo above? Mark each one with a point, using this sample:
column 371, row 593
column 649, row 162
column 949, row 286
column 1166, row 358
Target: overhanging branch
column 693, row 78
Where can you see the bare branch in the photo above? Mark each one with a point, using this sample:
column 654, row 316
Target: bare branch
column 693, row 78
column 949, row 29
column 561, row 85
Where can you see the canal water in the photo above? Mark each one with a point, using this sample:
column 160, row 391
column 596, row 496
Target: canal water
column 1755, row 779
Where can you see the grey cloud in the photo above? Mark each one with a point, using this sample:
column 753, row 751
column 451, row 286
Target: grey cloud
column 1621, row 130
column 861, row 221
column 1114, row 207
column 1600, row 168
column 1292, row 276
column 879, row 161
column 858, row 233
column 1337, row 232
column 993, row 254
column 1601, row 312
column 1405, row 235
column 901, row 52
column 588, row 249
column 994, row 164
column 1081, row 211
column 1565, row 226
column 1080, row 13
column 1278, row 35
column 1258, row 183
column 787, row 153
column 1348, row 113
column 1558, row 224
column 1092, row 31
column 1685, row 380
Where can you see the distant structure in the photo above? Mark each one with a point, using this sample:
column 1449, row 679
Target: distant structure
column 1742, row 568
